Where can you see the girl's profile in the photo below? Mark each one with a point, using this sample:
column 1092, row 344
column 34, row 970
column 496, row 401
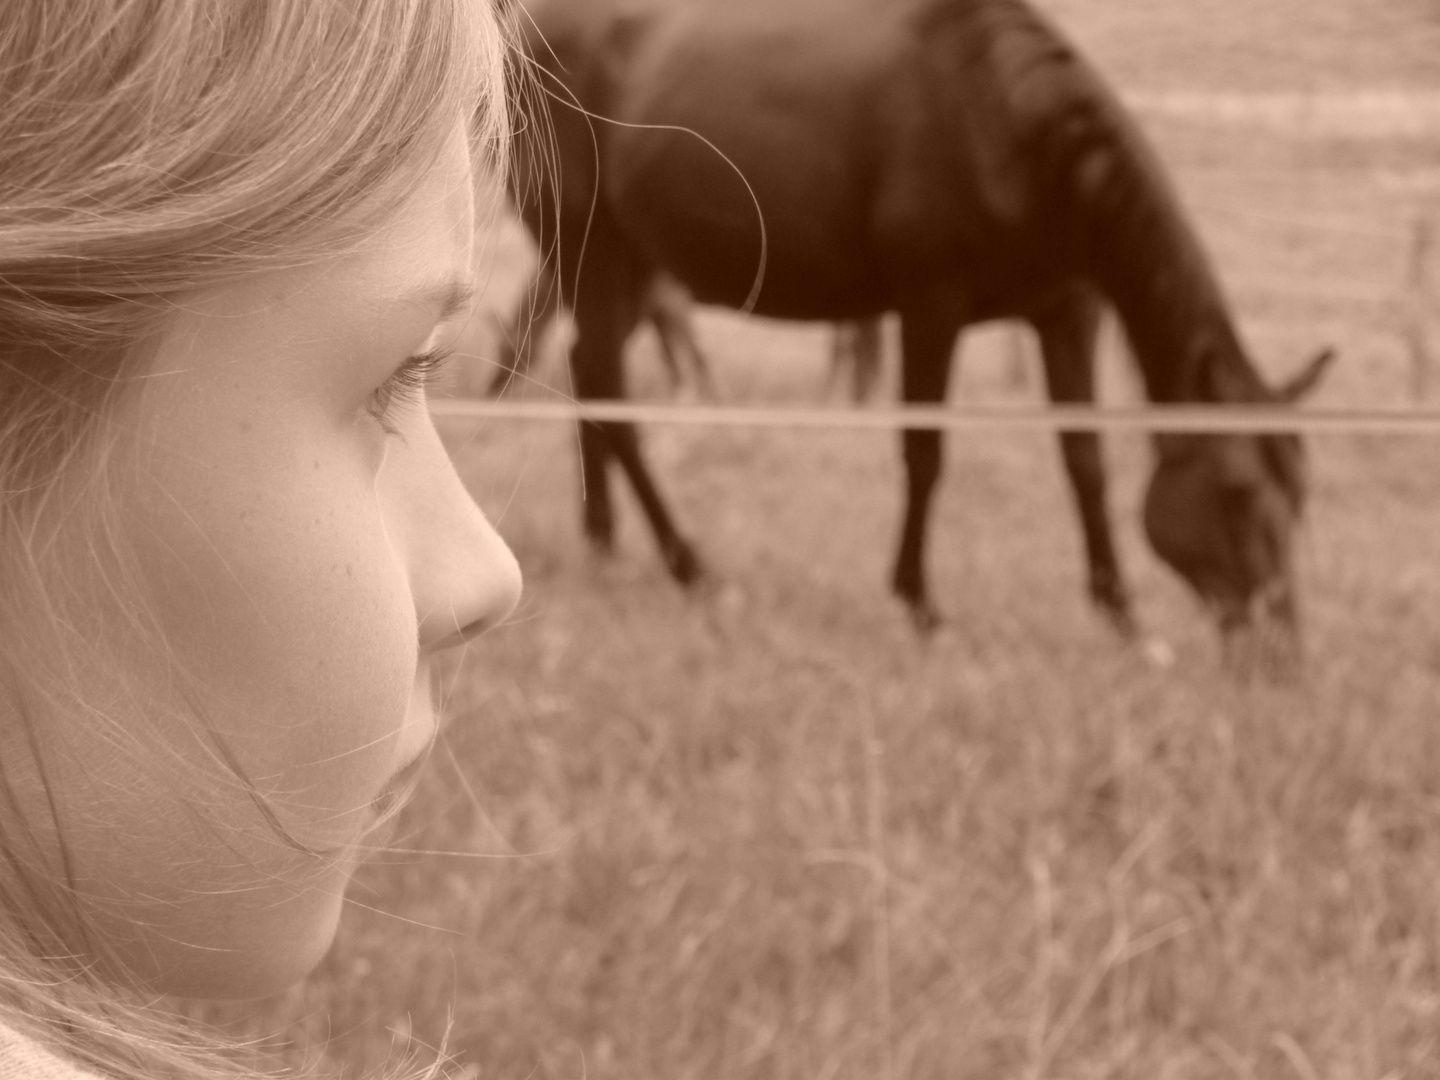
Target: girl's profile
column 235, row 242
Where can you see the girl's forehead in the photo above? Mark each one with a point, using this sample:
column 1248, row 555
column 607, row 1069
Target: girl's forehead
column 436, row 224
column 267, row 340
column 420, row 256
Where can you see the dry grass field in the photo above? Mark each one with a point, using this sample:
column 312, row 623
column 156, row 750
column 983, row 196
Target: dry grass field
column 764, row 831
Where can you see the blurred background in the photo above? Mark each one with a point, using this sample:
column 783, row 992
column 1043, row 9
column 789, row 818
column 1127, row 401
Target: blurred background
column 765, row 830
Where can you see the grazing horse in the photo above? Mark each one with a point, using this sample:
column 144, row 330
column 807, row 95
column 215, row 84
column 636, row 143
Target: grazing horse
column 951, row 160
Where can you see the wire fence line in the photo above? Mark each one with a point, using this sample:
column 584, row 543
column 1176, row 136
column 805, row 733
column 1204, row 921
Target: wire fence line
column 1191, row 419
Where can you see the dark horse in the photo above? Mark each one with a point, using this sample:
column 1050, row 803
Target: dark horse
column 951, row 160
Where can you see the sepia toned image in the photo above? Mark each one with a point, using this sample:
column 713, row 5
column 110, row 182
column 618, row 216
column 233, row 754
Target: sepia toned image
column 718, row 539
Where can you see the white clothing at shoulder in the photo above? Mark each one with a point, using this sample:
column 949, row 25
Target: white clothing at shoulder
column 24, row 1059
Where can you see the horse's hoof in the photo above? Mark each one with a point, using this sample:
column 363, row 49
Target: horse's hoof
column 684, row 565
column 925, row 617
column 1121, row 621
column 1113, row 601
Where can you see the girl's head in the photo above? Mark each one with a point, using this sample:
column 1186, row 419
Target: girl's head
column 234, row 235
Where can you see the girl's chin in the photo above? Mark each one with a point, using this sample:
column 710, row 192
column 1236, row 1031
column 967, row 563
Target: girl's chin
column 280, row 954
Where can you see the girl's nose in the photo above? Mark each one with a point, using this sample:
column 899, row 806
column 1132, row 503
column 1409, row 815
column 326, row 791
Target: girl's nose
column 463, row 576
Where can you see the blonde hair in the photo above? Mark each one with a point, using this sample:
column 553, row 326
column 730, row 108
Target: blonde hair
column 152, row 148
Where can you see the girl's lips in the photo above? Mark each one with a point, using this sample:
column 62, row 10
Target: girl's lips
column 400, row 783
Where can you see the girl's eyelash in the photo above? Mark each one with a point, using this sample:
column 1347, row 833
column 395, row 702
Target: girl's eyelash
column 405, row 386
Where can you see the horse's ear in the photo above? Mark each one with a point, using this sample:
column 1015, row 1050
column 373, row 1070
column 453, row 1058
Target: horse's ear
column 1303, row 381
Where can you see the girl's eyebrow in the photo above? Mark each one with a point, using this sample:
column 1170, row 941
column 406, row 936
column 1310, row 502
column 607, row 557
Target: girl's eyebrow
column 449, row 298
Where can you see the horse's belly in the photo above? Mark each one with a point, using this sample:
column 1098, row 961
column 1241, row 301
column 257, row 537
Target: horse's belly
column 810, row 269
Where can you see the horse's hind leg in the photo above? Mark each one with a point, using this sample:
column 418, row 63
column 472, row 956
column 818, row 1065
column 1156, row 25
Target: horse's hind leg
column 1068, row 326
column 606, row 310
column 866, row 356
column 670, row 307
column 927, row 334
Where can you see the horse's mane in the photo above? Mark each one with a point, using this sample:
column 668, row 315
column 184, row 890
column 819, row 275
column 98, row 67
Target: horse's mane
column 1109, row 193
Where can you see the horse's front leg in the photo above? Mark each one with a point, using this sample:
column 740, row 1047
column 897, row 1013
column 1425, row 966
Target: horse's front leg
column 596, row 511
column 927, row 335
column 1068, row 327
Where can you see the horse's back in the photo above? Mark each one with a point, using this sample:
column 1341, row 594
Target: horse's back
column 843, row 148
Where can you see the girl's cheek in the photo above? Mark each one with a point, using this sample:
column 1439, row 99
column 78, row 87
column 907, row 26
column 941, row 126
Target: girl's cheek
column 282, row 597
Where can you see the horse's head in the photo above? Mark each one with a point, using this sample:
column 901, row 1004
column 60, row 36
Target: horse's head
column 1222, row 510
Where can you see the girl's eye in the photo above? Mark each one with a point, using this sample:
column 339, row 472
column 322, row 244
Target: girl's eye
column 405, row 386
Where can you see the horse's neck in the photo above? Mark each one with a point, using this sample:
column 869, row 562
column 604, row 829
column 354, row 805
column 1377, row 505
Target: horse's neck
column 1149, row 261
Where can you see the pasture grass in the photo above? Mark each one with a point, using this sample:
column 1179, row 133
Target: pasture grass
column 763, row 830
column 766, row 831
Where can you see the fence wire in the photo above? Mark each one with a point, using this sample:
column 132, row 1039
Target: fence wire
column 1202, row 419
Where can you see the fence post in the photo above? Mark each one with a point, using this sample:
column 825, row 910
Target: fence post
column 1417, row 306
